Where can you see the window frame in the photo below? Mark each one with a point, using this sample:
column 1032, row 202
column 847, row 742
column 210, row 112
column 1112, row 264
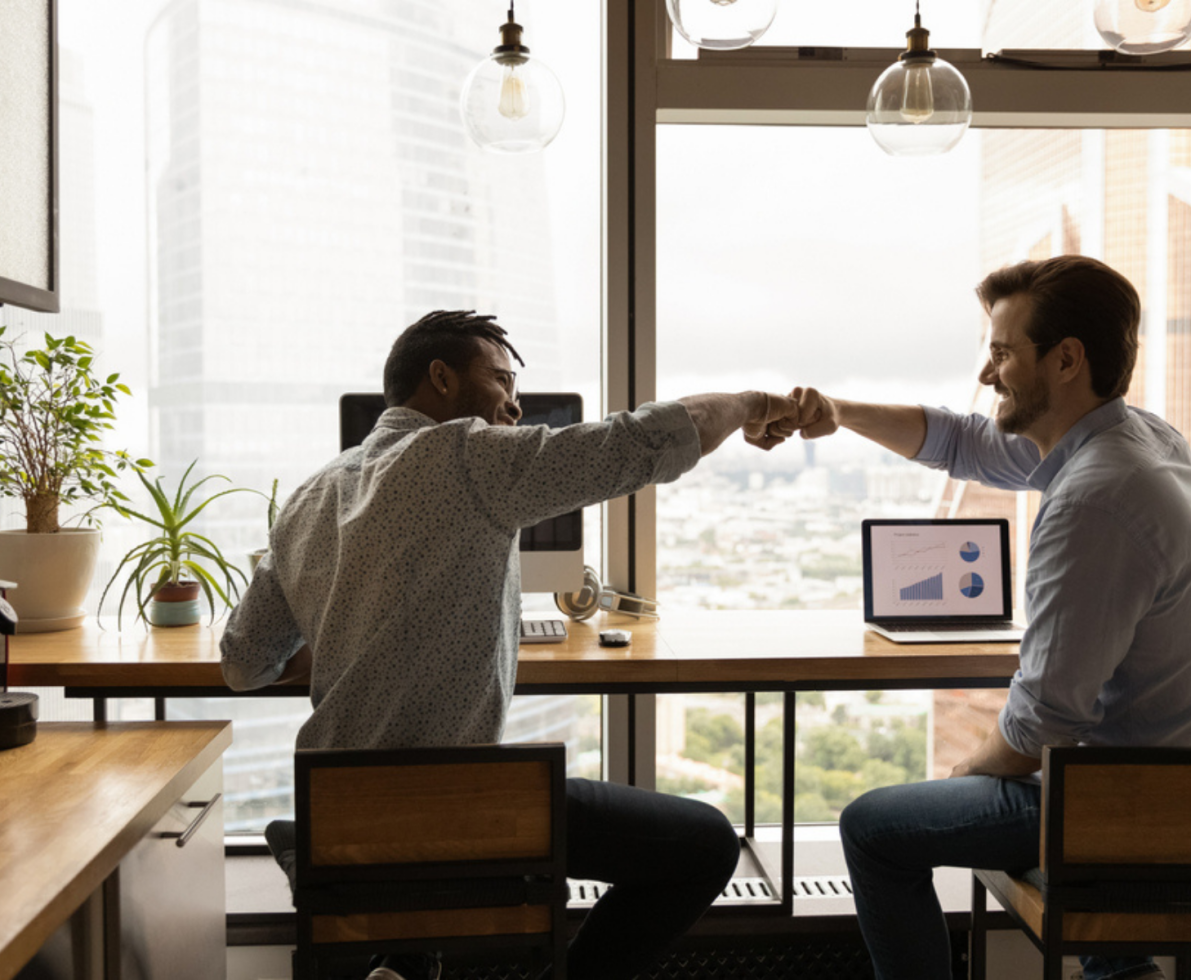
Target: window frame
column 645, row 87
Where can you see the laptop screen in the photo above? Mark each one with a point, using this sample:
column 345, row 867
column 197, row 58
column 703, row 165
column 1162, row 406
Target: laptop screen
column 936, row 569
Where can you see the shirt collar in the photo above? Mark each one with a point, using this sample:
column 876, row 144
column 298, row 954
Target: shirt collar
column 401, row 420
column 1091, row 425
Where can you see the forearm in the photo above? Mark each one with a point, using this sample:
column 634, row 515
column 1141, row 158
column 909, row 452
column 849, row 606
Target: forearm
column 900, row 428
column 995, row 757
column 717, row 416
column 297, row 668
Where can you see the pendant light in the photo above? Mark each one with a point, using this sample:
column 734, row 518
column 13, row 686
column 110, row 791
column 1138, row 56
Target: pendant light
column 1143, row 26
column 721, row 25
column 920, row 105
column 510, row 102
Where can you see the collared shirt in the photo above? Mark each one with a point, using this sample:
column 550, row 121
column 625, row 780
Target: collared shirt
column 398, row 564
column 1106, row 659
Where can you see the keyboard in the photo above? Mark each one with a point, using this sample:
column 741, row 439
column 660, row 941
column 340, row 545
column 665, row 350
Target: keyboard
column 543, row 631
column 948, row 627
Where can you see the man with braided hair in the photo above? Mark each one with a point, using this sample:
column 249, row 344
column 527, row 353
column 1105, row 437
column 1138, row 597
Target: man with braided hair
column 393, row 582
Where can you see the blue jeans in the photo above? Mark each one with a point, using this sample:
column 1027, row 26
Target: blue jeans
column 893, row 839
column 667, row 860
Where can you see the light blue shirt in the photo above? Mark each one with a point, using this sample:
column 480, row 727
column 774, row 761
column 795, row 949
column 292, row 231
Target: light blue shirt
column 1106, row 659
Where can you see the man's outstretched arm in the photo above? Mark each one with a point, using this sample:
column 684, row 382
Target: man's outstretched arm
column 767, row 419
column 900, row 428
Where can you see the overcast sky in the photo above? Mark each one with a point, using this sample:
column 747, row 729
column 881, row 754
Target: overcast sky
column 785, row 256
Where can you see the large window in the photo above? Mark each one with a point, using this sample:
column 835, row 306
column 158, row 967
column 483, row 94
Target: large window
column 256, row 198
column 795, row 254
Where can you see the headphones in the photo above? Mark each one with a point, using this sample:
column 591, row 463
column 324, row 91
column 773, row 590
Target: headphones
column 593, row 596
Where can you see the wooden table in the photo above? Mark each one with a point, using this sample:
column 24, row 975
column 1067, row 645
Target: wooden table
column 697, row 651
column 74, row 803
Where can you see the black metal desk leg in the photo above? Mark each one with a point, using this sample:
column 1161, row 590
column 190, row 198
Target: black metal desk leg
column 750, row 764
column 788, row 701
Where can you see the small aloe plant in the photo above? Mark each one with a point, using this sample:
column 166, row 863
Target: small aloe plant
column 174, row 554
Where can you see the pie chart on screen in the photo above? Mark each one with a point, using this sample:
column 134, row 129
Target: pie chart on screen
column 971, row 585
column 969, row 551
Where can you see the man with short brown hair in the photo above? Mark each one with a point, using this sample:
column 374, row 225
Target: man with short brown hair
column 1108, row 593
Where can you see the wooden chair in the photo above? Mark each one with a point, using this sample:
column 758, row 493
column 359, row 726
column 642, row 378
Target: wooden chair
column 1115, row 873
column 447, row 849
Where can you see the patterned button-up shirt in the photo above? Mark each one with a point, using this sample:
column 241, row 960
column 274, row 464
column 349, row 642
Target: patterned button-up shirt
column 398, row 564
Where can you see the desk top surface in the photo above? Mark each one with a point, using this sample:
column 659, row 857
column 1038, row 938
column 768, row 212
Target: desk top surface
column 684, row 650
column 75, row 801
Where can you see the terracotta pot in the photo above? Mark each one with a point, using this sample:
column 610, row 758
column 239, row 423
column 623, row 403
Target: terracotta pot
column 176, row 604
column 177, row 592
column 53, row 573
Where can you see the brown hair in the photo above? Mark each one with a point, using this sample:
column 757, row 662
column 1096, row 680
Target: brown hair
column 1080, row 297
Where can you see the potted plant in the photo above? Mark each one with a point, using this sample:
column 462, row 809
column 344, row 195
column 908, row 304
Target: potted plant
column 54, row 411
column 255, row 556
column 166, row 573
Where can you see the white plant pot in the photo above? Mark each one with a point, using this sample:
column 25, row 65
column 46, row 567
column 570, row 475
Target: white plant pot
column 53, row 573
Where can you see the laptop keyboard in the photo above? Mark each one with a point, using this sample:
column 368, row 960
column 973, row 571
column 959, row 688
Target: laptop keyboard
column 543, row 631
column 947, row 627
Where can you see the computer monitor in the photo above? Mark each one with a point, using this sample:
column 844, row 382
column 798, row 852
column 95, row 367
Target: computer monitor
column 552, row 551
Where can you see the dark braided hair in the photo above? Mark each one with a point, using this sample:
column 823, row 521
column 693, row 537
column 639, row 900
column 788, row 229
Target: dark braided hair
column 450, row 336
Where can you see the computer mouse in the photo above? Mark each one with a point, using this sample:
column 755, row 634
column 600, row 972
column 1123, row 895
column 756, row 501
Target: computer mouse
column 615, row 638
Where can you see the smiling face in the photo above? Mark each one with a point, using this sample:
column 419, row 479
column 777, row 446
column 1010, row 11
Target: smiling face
column 1014, row 369
column 488, row 387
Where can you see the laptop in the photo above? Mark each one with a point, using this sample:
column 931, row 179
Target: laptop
column 938, row 581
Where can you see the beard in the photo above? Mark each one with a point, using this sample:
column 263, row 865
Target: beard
column 1019, row 410
column 470, row 405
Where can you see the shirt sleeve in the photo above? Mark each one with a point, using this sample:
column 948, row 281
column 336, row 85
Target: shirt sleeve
column 1089, row 585
column 261, row 634
column 971, row 447
column 525, row 475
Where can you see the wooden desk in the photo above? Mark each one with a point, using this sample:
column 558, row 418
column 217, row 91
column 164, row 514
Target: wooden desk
column 75, row 803
column 704, row 651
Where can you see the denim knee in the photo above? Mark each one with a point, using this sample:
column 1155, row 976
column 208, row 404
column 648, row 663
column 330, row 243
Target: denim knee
column 858, row 818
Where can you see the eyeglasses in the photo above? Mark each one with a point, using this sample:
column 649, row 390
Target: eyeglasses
column 998, row 354
column 508, row 381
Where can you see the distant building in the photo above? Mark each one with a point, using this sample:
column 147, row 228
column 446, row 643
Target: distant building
column 311, row 192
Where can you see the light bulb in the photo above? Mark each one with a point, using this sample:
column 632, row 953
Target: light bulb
column 920, row 105
column 1143, row 26
column 721, row 25
column 918, row 99
column 510, row 102
column 514, row 96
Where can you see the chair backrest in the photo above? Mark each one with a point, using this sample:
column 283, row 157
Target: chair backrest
column 437, row 813
column 1116, row 814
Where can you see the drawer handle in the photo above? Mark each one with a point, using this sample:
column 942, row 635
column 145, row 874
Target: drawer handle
column 182, row 838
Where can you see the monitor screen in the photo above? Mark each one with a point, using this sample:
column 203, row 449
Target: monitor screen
column 552, row 551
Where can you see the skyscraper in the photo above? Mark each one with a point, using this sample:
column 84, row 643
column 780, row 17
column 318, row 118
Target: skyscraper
column 311, row 192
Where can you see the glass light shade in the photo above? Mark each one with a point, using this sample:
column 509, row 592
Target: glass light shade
column 919, row 107
column 512, row 105
column 1143, row 26
column 721, row 24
